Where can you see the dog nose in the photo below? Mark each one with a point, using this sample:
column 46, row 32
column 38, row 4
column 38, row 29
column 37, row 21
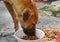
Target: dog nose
column 29, row 32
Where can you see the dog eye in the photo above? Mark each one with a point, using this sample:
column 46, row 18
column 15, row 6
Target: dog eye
column 26, row 15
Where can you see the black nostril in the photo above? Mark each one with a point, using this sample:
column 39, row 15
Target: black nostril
column 26, row 16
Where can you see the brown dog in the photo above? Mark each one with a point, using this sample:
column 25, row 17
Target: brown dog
column 26, row 12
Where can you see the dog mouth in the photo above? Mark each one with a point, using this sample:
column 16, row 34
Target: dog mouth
column 29, row 32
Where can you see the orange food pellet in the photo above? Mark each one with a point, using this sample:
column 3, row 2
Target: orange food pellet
column 30, row 38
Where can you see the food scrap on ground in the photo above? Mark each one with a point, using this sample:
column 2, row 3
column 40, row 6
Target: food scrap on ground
column 50, row 34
